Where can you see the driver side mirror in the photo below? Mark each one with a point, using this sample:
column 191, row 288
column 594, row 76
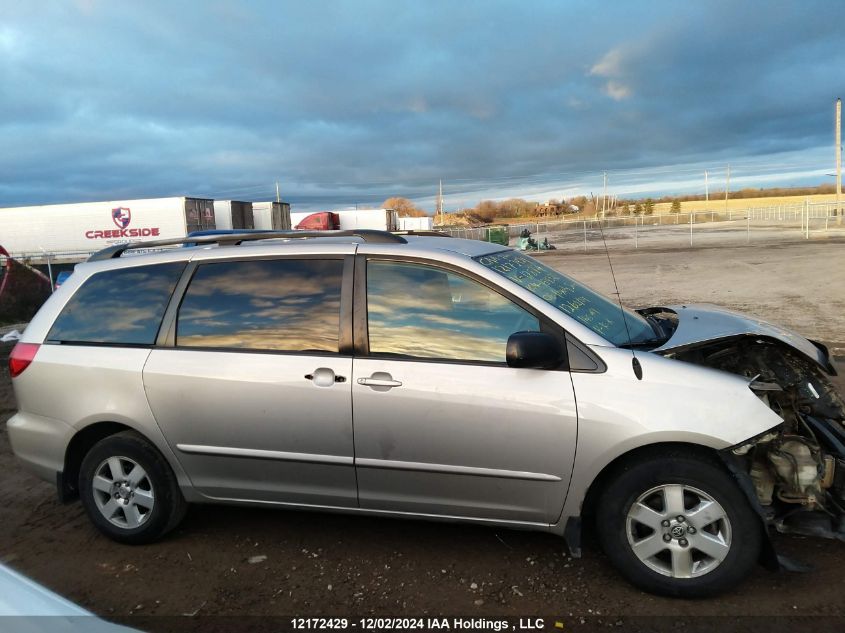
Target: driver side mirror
column 535, row 350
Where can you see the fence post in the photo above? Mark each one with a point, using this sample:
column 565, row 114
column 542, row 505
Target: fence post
column 802, row 219
column 690, row 228
column 807, row 234
column 50, row 274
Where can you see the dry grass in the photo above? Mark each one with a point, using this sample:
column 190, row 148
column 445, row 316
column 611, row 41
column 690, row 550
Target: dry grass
column 664, row 208
column 744, row 203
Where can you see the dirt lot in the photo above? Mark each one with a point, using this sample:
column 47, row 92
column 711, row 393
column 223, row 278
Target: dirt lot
column 664, row 233
column 800, row 285
column 333, row 564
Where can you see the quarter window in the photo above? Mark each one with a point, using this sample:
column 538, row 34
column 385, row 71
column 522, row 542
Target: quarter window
column 421, row 311
column 283, row 304
column 119, row 307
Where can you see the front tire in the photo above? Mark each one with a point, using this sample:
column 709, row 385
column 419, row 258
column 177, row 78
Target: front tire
column 128, row 489
column 678, row 525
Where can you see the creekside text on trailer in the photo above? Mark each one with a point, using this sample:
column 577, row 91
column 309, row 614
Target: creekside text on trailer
column 122, row 216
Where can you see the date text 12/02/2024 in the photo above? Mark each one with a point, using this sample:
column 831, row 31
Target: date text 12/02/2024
column 421, row 624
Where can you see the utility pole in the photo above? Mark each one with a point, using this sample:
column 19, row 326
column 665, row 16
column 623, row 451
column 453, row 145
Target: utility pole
column 727, row 187
column 278, row 197
column 439, row 212
column 838, row 160
column 604, row 197
column 706, row 188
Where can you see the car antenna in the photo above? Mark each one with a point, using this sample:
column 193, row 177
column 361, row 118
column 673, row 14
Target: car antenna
column 635, row 362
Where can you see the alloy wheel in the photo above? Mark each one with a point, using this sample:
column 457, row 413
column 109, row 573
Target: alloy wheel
column 678, row 531
column 123, row 492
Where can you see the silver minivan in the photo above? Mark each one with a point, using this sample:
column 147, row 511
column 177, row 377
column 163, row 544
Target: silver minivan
column 424, row 376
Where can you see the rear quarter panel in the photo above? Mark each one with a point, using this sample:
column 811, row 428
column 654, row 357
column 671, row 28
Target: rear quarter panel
column 76, row 386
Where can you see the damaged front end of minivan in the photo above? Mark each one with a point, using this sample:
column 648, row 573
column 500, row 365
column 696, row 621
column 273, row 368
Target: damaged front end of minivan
column 795, row 473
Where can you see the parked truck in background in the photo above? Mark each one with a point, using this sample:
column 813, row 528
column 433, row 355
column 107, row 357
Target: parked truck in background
column 72, row 231
column 233, row 214
column 376, row 219
column 425, row 223
column 272, row 215
column 320, row 221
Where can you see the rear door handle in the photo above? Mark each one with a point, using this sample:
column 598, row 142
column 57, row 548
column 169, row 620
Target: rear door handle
column 324, row 377
column 380, row 379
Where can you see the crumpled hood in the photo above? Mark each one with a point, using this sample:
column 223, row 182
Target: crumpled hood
column 704, row 322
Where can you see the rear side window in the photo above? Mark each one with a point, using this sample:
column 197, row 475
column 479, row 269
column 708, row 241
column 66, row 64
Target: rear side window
column 118, row 307
column 290, row 305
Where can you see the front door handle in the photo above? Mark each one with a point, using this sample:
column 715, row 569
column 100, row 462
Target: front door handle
column 380, row 380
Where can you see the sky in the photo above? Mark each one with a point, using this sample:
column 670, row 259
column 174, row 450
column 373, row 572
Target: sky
column 348, row 103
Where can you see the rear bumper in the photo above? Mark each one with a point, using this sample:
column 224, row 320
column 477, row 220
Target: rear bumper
column 39, row 443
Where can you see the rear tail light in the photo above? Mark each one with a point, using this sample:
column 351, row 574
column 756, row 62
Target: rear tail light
column 20, row 358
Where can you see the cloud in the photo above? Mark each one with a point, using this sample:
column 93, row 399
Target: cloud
column 616, row 90
column 610, row 65
column 356, row 101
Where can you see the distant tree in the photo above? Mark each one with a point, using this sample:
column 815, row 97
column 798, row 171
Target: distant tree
column 403, row 207
column 638, row 209
column 626, row 209
column 517, row 207
column 487, row 210
column 648, row 207
column 578, row 201
column 676, row 206
column 589, row 207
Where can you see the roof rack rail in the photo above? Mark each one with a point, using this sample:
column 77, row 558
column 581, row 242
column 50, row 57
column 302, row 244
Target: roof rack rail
column 234, row 239
column 426, row 233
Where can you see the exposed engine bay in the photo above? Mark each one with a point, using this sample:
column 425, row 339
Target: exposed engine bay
column 798, row 469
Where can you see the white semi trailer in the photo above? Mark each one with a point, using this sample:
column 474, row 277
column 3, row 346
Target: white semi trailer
column 72, row 231
column 233, row 214
column 271, row 215
column 425, row 223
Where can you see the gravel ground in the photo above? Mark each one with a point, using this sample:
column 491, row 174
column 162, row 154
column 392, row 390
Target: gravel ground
column 648, row 236
column 797, row 285
column 238, row 562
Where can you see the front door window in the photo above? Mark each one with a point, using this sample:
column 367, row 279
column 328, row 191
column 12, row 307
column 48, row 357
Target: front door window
column 418, row 311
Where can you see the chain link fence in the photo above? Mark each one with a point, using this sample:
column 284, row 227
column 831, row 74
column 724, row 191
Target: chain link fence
column 692, row 228
column 704, row 226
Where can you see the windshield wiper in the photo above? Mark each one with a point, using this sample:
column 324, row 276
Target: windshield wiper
column 656, row 341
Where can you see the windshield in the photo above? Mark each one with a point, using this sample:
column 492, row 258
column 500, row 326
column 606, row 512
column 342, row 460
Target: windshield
column 600, row 314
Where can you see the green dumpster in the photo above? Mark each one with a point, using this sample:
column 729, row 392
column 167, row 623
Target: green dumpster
column 497, row 235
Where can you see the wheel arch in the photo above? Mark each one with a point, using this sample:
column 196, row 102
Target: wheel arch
column 575, row 525
column 86, row 437
column 82, row 442
column 647, row 451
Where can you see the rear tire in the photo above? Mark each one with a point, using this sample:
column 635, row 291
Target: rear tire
column 679, row 526
column 129, row 490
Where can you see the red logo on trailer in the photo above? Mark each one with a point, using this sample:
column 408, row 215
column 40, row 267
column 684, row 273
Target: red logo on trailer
column 121, row 216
